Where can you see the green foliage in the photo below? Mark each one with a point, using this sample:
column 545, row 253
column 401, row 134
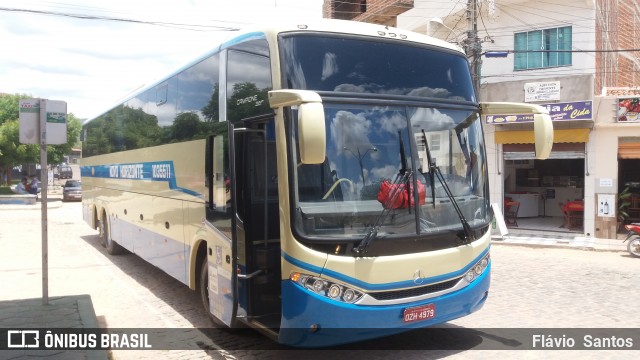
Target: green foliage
column 238, row 109
column 5, row 190
column 122, row 128
column 370, row 192
column 623, row 204
column 9, row 106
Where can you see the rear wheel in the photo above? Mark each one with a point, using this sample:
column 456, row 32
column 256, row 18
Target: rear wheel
column 634, row 246
column 102, row 227
column 204, row 294
column 105, row 239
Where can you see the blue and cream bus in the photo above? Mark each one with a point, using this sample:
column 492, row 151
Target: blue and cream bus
column 323, row 183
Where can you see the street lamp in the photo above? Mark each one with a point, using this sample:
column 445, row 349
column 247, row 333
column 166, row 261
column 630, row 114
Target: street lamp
column 437, row 20
column 360, row 157
column 471, row 44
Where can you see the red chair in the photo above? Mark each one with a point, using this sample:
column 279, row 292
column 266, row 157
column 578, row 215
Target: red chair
column 511, row 213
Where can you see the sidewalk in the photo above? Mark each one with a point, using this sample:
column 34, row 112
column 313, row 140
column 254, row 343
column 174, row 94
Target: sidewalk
column 75, row 311
column 61, row 312
column 54, row 200
column 537, row 238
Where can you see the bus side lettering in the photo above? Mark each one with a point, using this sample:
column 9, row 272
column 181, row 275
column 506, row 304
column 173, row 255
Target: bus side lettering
column 131, row 171
column 161, row 171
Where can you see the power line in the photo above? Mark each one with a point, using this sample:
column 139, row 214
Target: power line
column 197, row 27
column 561, row 51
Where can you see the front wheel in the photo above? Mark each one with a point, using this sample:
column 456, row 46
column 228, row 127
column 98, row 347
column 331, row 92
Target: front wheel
column 634, row 246
column 204, row 294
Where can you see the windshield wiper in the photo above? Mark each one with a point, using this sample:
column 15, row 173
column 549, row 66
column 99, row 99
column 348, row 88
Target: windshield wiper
column 403, row 177
column 469, row 235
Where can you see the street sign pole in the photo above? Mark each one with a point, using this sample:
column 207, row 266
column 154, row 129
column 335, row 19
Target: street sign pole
column 43, row 201
column 44, row 125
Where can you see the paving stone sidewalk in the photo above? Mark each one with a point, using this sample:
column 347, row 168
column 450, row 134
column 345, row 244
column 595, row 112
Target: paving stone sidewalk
column 75, row 311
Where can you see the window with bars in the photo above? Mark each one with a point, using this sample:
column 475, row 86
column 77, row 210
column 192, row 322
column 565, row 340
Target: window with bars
column 538, row 49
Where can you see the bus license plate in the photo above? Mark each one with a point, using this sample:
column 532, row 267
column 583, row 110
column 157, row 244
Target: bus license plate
column 419, row 313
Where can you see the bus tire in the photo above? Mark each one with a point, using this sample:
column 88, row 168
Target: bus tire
column 113, row 248
column 204, row 294
column 103, row 230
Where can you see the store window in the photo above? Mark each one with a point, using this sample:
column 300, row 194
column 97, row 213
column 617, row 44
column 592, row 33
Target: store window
column 543, row 48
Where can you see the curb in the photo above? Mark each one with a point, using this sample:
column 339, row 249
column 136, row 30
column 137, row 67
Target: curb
column 89, row 320
column 53, row 202
column 559, row 243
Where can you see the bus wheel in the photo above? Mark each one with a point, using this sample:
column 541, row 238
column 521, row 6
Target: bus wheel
column 204, row 294
column 105, row 239
column 102, row 227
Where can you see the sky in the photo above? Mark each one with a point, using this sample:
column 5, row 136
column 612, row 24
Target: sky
column 93, row 62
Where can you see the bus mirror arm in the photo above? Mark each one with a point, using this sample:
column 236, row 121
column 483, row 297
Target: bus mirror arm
column 312, row 137
column 282, row 98
column 542, row 123
column 249, row 276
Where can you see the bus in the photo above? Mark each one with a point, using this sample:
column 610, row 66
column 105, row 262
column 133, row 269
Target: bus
column 323, row 182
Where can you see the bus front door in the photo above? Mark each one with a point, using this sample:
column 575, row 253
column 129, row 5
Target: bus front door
column 257, row 224
column 219, row 278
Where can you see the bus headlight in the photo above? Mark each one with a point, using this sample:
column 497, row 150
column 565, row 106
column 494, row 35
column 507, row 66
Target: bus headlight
column 476, row 270
column 332, row 290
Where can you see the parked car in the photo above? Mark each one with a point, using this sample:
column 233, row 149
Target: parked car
column 66, row 172
column 72, row 190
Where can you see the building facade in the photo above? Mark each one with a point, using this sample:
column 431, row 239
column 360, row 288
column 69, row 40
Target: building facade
column 575, row 57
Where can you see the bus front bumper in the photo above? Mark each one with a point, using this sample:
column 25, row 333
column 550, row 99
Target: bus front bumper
column 312, row 320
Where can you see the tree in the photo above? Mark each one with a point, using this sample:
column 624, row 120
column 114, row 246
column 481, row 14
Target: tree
column 9, row 106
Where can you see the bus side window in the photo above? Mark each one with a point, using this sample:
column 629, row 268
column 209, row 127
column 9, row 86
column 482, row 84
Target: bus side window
column 218, row 183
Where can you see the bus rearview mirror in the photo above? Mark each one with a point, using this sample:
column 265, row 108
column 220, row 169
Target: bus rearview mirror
column 312, row 136
column 542, row 124
column 311, row 126
column 543, row 133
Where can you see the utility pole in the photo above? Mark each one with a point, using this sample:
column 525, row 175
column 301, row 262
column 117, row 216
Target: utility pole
column 472, row 44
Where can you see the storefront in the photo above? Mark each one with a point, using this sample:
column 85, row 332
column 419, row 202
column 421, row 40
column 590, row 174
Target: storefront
column 548, row 191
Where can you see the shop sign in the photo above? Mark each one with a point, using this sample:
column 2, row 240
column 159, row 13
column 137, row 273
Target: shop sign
column 629, row 109
column 542, row 91
column 577, row 110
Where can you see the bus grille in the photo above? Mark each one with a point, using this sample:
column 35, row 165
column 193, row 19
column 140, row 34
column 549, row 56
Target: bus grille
column 416, row 291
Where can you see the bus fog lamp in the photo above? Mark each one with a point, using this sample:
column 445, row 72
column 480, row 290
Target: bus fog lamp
column 318, row 286
column 329, row 289
column 349, row 295
column 470, row 276
column 477, row 269
column 334, row 291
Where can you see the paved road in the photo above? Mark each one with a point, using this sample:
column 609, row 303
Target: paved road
column 531, row 288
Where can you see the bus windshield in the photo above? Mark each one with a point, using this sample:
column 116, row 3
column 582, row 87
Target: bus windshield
column 369, row 149
column 377, row 139
column 371, row 66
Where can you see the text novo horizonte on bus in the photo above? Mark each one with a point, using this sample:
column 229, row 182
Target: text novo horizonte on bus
column 138, row 171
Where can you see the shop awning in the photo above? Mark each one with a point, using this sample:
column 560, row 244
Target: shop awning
column 527, row 136
column 629, row 150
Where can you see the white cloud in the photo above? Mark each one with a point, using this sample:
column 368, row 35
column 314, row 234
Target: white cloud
column 91, row 64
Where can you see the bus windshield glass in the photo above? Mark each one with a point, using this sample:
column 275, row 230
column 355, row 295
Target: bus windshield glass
column 379, row 146
column 373, row 150
column 357, row 65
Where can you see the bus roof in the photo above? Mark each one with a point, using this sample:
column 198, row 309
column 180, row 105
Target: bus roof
column 317, row 25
